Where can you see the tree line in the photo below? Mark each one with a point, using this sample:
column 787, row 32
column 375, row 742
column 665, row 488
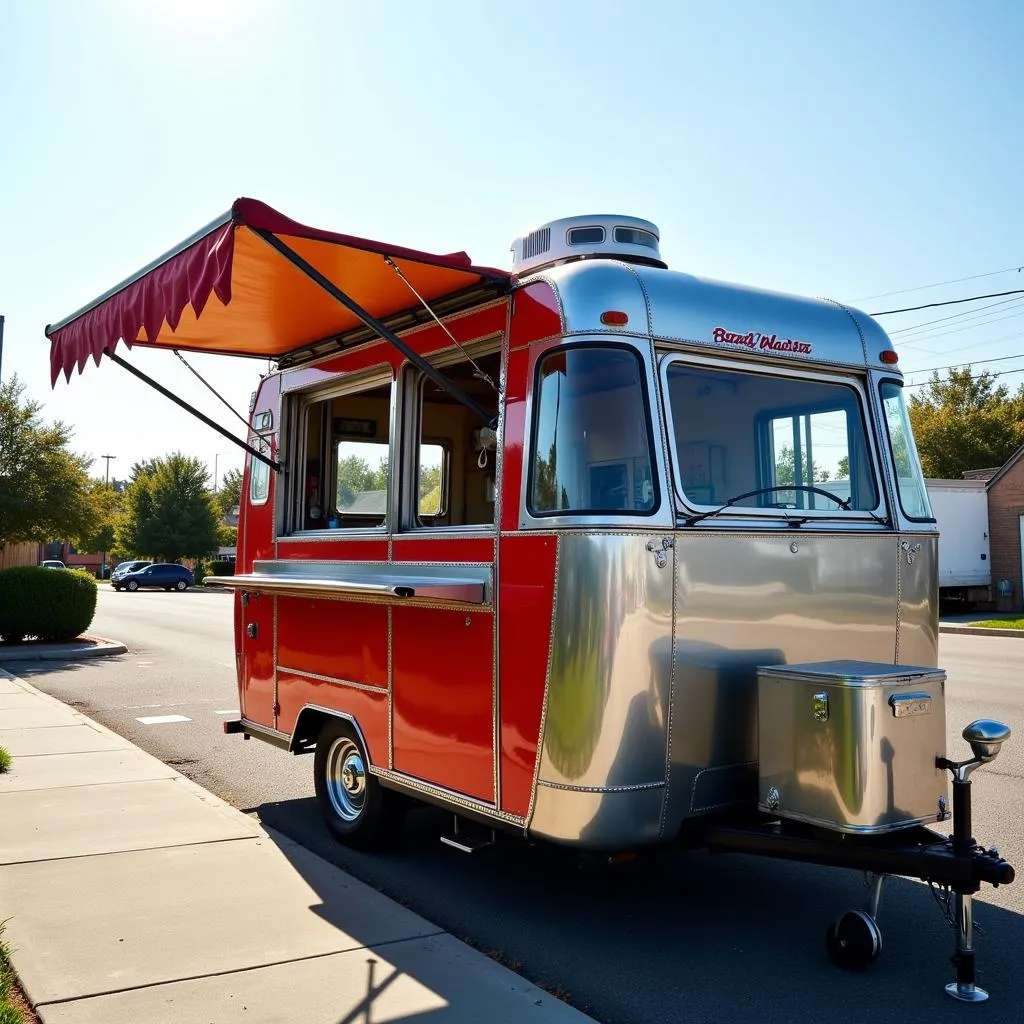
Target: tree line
column 166, row 512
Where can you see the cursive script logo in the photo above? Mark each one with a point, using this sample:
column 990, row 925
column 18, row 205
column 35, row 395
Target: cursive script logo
column 764, row 342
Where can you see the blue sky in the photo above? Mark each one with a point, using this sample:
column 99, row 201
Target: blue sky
column 841, row 149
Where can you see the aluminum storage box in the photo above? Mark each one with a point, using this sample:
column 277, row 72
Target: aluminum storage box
column 851, row 745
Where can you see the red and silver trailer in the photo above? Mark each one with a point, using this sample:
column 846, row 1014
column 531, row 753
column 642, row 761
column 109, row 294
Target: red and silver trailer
column 594, row 550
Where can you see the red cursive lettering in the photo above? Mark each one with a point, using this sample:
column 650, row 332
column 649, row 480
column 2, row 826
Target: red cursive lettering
column 765, row 342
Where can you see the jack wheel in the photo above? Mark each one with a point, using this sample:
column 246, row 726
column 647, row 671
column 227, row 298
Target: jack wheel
column 854, row 941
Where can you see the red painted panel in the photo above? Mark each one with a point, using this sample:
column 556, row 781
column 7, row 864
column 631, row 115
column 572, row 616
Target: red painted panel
column 257, row 696
column 442, row 688
column 443, row 549
column 365, row 356
column 525, row 597
column 341, row 550
column 370, row 710
column 535, row 314
column 344, row 639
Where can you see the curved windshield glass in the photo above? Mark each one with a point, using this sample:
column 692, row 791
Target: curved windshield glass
column 591, row 438
column 769, row 441
column 909, row 476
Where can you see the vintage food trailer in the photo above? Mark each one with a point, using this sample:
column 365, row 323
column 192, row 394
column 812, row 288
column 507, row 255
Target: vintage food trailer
column 592, row 550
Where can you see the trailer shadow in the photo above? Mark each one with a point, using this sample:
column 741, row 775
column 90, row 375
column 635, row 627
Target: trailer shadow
column 675, row 936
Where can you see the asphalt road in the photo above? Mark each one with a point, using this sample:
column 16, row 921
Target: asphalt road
column 680, row 937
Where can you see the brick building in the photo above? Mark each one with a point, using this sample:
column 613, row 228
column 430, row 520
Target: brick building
column 1005, row 489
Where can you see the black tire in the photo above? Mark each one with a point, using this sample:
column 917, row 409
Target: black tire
column 117, row 588
column 854, row 941
column 357, row 809
column 132, row 585
column 181, row 585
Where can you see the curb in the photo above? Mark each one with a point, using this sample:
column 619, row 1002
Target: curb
column 982, row 631
column 84, row 647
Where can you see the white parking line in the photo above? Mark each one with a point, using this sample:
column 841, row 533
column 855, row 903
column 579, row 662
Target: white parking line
column 227, row 711
column 162, row 719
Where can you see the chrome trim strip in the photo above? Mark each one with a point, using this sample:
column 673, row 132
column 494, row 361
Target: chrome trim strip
column 547, row 688
column 368, row 687
column 391, row 688
column 277, row 697
column 448, row 796
column 602, row 789
column 704, row 808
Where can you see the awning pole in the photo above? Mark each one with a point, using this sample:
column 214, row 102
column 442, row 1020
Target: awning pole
column 375, row 325
column 195, row 412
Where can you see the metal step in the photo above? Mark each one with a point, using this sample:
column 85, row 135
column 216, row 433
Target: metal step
column 466, row 838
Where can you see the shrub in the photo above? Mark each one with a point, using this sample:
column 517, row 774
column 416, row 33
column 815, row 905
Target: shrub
column 221, row 567
column 5, row 761
column 201, row 570
column 52, row 605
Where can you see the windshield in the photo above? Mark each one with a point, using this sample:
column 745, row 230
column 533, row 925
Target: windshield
column 737, row 431
column 909, row 475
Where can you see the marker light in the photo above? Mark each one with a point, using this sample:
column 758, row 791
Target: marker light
column 614, row 318
column 888, row 356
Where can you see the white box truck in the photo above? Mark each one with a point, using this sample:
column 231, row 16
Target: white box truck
column 965, row 564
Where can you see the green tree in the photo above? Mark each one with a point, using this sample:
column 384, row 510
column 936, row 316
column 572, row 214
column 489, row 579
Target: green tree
column 107, row 505
column 965, row 422
column 170, row 514
column 785, row 469
column 44, row 486
column 229, row 493
column 356, row 477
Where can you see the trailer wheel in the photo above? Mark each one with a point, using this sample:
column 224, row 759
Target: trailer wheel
column 854, row 941
column 357, row 809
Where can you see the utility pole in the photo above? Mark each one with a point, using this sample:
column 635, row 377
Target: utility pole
column 103, row 554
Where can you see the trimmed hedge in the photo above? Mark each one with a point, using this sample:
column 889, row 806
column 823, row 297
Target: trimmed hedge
column 220, row 567
column 51, row 605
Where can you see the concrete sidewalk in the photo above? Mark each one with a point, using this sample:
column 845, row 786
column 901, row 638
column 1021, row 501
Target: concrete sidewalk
column 133, row 895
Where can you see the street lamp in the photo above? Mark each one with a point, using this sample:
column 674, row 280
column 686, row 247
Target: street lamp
column 106, row 481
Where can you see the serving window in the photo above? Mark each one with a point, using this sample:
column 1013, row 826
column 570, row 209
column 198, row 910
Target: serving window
column 344, row 455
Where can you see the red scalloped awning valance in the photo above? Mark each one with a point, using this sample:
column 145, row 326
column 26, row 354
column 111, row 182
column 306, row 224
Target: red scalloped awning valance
column 265, row 305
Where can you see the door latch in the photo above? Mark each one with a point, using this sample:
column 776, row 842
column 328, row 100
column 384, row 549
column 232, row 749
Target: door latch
column 661, row 550
column 252, row 631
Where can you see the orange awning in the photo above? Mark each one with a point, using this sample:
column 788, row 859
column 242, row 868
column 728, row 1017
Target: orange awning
column 262, row 303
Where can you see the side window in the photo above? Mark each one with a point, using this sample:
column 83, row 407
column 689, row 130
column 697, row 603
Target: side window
column 259, row 481
column 455, row 452
column 591, row 435
column 343, row 456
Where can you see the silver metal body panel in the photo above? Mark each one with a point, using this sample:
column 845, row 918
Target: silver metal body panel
column 602, row 763
column 851, row 746
column 714, row 315
column 409, row 581
column 652, row 703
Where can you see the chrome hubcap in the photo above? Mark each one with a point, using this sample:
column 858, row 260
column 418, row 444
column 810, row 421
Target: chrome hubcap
column 346, row 779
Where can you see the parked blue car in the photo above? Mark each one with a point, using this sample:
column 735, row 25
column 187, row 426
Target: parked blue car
column 161, row 576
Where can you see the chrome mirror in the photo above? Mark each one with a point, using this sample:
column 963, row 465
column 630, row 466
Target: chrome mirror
column 986, row 737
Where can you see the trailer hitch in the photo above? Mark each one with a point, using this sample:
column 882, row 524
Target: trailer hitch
column 985, row 737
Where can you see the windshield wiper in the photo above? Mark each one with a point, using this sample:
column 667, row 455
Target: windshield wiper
column 843, row 503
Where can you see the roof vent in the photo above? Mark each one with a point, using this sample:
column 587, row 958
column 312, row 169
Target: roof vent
column 602, row 236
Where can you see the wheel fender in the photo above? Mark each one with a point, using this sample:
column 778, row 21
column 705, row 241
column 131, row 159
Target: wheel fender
column 310, row 721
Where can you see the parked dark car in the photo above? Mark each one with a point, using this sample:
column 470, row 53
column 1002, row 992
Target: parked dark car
column 161, row 576
column 123, row 568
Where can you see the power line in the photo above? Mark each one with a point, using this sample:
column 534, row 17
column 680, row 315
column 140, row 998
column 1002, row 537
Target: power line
column 963, row 348
column 955, row 316
column 939, row 284
column 1001, row 373
column 956, row 330
column 969, row 362
column 948, row 302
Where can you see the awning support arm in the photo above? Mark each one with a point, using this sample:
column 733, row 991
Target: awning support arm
column 276, row 466
column 375, row 325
